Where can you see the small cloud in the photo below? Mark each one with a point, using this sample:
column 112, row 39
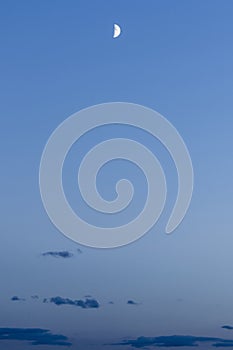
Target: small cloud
column 111, row 302
column 132, row 302
column 62, row 254
column 35, row 336
column 34, row 297
column 91, row 303
column 227, row 327
column 84, row 304
column 79, row 251
column 15, row 298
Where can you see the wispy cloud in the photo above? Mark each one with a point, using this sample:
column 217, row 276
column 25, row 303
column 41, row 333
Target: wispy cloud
column 175, row 341
column 85, row 304
column 34, row 297
column 36, row 336
column 62, row 254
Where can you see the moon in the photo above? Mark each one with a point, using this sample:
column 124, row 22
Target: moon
column 116, row 30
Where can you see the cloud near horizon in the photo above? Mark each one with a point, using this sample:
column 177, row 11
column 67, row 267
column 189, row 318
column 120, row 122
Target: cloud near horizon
column 35, row 336
column 175, row 341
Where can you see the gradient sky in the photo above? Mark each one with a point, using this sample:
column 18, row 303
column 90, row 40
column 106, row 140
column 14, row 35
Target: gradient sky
column 57, row 57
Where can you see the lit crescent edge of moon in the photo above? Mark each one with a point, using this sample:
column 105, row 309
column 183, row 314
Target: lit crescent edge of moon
column 117, row 31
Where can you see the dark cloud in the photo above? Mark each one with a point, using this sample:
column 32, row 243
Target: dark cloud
column 132, row 302
column 15, row 298
column 85, row 304
column 35, row 336
column 175, row 341
column 62, row 254
column 227, row 327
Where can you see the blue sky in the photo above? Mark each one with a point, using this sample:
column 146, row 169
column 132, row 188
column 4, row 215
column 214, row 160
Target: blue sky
column 58, row 57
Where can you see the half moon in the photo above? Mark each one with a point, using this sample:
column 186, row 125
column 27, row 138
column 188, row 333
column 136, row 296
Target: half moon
column 116, row 30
